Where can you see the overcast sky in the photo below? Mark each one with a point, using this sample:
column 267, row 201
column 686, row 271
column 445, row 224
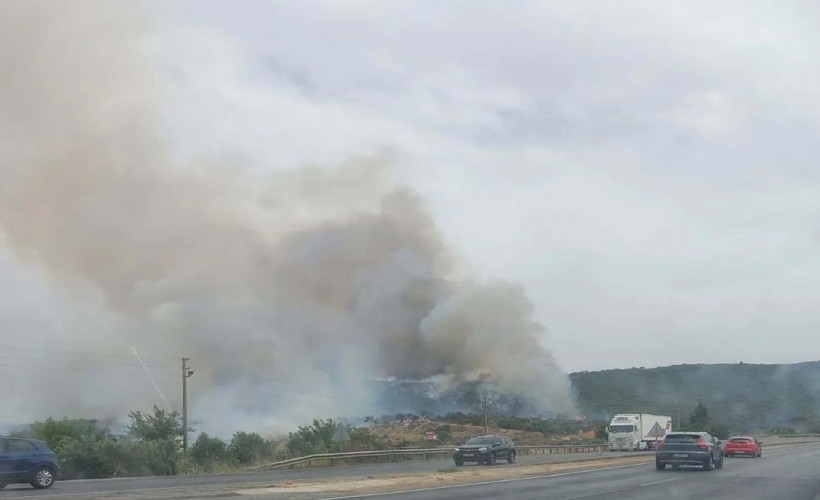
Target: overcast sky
column 647, row 170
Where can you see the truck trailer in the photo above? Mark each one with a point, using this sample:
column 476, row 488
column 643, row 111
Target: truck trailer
column 637, row 431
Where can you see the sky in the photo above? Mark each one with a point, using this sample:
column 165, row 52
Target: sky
column 646, row 171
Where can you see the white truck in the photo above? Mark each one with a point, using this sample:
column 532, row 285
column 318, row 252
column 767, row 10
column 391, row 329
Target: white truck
column 637, row 431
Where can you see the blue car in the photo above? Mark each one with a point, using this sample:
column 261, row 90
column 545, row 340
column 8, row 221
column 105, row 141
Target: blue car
column 27, row 461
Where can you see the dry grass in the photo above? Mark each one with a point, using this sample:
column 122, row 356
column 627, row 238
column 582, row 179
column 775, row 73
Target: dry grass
column 412, row 433
column 384, row 484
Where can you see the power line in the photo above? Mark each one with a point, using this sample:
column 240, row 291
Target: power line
column 38, row 362
column 106, row 353
column 74, row 369
column 73, row 366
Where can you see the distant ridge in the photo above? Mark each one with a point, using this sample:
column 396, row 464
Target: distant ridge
column 745, row 396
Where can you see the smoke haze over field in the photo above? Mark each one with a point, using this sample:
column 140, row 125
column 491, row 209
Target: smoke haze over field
column 290, row 291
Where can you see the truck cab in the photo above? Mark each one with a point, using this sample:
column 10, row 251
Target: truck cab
column 624, row 434
column 637, row 431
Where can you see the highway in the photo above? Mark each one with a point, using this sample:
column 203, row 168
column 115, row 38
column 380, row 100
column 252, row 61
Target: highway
column 124, row 485
column 790, row 473
column 785, row 472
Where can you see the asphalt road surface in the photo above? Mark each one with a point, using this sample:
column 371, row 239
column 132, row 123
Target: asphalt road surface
column 78, row 488
column 790, row 473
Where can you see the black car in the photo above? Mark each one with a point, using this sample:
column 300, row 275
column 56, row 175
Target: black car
column 485, row 450
column 27, row 461
column 689, row 448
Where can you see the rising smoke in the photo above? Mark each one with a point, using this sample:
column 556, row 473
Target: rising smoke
column 291, row 292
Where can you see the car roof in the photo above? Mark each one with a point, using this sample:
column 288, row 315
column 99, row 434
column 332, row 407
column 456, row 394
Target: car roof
column 679, row 433
column 30, row 440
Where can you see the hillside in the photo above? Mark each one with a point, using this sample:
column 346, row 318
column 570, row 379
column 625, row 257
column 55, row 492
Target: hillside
column 744, row 396
column 458, row 428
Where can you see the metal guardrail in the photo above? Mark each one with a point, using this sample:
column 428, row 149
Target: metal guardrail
column 788, row 436
column 331, row 459
column 562, row 449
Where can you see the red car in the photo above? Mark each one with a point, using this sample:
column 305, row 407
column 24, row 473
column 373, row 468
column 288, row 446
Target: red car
column 743, row 445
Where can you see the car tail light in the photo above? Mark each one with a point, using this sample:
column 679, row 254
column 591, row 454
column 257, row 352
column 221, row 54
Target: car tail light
column 660, row 445
column 702, row 444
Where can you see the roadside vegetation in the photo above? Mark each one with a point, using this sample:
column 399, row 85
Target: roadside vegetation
column 151, row 443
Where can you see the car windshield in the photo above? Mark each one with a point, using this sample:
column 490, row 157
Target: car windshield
column 480, row 440
column 619, row 429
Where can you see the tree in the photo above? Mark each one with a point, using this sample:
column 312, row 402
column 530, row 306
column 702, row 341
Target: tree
column 718, row 430
column 444, row 433
column 207, row 451
column 88, row 451
column 363, row 440
column 162, row 425
column 160, row 439
column 248, row 447
column 700, row 418
column 59, row 432
column 311, row 439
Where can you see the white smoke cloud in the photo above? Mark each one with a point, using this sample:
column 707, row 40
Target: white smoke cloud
column 291, row 292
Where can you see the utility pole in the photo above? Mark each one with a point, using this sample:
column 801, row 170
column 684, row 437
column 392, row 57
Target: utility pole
column 485, row 403
column 186, row 373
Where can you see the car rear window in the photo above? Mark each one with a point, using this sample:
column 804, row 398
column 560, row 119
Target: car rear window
column 740, row 440
column 480, row 440
column 683, row 438
column 19, row 446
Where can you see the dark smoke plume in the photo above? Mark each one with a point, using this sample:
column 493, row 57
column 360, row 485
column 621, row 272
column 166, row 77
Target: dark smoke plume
column 291, row 292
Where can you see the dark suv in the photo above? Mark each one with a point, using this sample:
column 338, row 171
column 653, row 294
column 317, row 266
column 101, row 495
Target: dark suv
column 485, row 450
column 689, row 448
column 27, row 461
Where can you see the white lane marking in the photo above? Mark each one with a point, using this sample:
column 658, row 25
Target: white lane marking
column 654, row 483
column 497, row 481
column 613, row 492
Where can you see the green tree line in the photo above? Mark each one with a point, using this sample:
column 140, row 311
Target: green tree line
column 152, row 446
column 743, row 397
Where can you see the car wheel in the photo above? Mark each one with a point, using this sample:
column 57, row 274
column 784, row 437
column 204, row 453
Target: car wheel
column 511, row 458
column 660, row 465
column 707, row 465
column 491, row 460
column 44, row 478
column 719, row 464
column 459, row 461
